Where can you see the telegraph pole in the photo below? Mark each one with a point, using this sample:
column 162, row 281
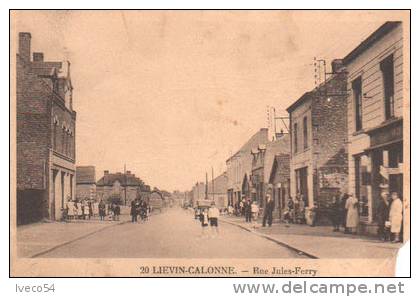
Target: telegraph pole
column 125, row 185
column 212, row 181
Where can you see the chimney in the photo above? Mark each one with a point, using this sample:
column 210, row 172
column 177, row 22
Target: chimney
column 38, row 57
column 25, row 46
column 128, row 172
column 336, row 65
column 106, row 172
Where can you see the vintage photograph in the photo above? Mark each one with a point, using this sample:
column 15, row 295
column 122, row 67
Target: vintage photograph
column 209, row 143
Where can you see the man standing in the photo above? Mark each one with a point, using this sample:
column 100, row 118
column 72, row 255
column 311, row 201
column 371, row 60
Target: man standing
column 395, row 216
column 247, row 210
column 268, row 211
column 383, row 214
column 213, row 217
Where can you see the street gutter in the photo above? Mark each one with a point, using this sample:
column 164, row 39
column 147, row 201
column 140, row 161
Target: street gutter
column 271, row 238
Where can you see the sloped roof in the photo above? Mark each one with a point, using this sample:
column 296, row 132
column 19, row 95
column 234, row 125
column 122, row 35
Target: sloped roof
column 127, row 179
column 261, row 137
column 85, row 175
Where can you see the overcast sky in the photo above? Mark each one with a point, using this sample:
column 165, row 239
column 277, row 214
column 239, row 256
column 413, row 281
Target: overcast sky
column 172, row 94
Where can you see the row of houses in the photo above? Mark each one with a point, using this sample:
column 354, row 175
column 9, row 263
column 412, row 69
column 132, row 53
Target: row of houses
column 122, row 186
column 345, row 136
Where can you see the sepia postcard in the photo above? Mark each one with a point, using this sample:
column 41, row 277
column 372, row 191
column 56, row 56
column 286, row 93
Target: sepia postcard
column 209, row 143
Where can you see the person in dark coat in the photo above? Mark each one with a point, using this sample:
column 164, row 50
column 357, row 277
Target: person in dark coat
column 247, row 210
column 383, row 215
column 335, row 210
column 102, row 207
column 268, row 211
column 133, row 212
column 343, row 211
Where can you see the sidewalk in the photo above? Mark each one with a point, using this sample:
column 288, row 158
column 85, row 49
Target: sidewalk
column 320, row 241
column 36, row 239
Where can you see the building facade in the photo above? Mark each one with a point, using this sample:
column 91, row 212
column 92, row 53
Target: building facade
column 239, row 167
column 262, row 161
column 45, row 139
column 124, row 187
column 85, row 182
column 318, row 155
column 375, row 119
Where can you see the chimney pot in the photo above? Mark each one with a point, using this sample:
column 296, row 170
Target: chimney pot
column 38, row 57
column 336, row 65
column 106, row 172
column 25, row 46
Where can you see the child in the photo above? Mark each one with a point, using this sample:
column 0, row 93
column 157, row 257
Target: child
column 204, row 219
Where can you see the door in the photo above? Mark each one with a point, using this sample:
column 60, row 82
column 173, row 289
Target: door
column 302, row 183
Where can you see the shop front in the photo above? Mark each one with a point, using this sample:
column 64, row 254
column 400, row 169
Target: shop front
column 381, row 165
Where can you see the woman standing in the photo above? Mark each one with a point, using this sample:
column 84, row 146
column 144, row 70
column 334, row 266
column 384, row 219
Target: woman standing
column 395, row 216
column 79, row 209
column 204, row 219
column 352, row 219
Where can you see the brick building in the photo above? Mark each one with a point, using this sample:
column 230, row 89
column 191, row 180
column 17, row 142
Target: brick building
column 124, row 186
column 198, row 192
column 85, row 182
column 279, row 182
column 46, row 127
column 318, row 125
column 239, row 167
column 375, row 118
column 262, row 162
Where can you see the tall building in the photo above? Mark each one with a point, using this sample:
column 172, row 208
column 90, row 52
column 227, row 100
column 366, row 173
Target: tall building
column 375, row 119
column 46, row 129
column 217, row 190
column 318, row 127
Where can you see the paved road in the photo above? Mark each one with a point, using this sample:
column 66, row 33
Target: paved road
column 172, row 234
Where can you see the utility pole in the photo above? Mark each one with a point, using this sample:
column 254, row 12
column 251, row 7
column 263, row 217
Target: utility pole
column 212, row 181
column 125, row 186
column 207, row 188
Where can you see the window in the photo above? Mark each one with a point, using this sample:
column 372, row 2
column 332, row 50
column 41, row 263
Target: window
column 305, row 132
column 357, row 97
column 295, row 135
column 387, row 68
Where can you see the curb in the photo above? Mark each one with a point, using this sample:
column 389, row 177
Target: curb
column 74, row 239
column 296, row 250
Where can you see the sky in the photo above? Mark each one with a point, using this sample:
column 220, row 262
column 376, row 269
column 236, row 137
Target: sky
column 172, row 94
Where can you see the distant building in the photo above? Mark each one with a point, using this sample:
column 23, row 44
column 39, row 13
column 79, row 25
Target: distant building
column 85, row 182
column 123, row 186
column 217, row 190
column 375, row 119
column 198, row 192
column 239, row 167
column 45, row 139
column 262, row 162
column 318, row 127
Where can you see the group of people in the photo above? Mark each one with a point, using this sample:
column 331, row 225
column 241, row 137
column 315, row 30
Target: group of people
column 345, row 212
column 86, row 209
column 209, row 216
column 139, row 208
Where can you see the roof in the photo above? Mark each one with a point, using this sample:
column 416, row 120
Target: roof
column 127, row 179
column 261, row 137
column 300, row 101
column 370, row 40
column 277, row 160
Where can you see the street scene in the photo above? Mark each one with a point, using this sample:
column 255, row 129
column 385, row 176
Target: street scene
column 210, row 134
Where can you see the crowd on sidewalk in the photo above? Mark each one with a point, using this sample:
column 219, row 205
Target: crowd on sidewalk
column 343, row 212
column 87, row 209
